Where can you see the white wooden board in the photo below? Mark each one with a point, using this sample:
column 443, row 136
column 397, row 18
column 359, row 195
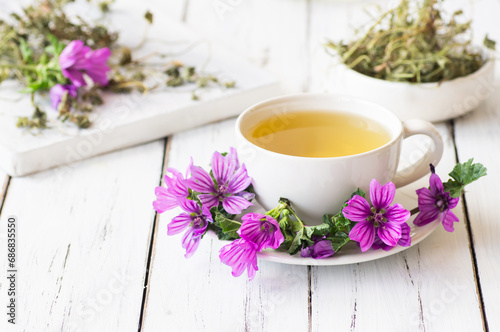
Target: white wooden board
column 126, row 120
column 82, row 242
column 478, row 136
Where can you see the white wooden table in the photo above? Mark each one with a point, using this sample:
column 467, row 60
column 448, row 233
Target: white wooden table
column 94, row 256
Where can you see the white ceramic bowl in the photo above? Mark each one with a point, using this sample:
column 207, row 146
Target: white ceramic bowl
column 428, row 101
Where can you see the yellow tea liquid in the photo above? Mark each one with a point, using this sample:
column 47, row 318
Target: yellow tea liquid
column 318, row 134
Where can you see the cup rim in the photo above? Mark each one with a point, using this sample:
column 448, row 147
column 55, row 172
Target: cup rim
column 368, row 103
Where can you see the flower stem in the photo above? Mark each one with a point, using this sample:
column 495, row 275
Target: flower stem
column 414, row 211
column 24, row 67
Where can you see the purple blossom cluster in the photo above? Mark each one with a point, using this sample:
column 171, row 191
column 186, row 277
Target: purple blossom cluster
column 380, row 225
column 434, row 203
column 198, row 191
column 383, row 226
column 257, row 232
column 77, row 60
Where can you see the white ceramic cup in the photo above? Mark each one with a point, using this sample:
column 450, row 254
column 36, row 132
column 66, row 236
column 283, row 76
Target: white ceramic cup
column 316, row 186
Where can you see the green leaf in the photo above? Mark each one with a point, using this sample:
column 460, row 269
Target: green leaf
column 26, row 51
column 296, row 243
column 56, row 47
column 320, row 230
column 295, row 225
column 149, row 17
column 358, row 192
column 228, row 226
column 491, row 44
column 220, row 234
column 462, row 175
column 339, row 240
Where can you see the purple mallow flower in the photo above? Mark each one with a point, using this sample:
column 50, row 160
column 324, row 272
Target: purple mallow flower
column 257, row 232
column 404, row 241
column 240, row 255
column 381, row 219
column 435, row 203
column 230, row 182
column 195, row 219
column 58, row 90
column 77, row 59
column 261, row 230
column 320, row 249
column 168, row 198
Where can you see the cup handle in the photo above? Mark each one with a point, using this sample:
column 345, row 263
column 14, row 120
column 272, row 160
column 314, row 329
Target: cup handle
column 420, row 167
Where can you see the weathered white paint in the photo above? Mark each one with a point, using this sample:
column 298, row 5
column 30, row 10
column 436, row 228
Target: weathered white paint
column 272, row 34
column 478, row 136
column 83, row 237
column 4, row 181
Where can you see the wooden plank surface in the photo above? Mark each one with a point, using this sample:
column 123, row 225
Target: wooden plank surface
column 83, row 236
column 271, row 33
column 199, row 293
column 4, row 183
column 478, row 136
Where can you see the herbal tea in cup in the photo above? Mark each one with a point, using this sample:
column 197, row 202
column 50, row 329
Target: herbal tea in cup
column 317, row 149
column 319, row 134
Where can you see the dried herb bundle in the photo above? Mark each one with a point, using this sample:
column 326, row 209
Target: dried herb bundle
column 30, row 46
column 413, row 43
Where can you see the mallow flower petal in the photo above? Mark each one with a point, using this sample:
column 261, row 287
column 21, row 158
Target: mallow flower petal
column 448, row 218
column 209, row 200
column 240, row 255
column 436, row 184
column 322, row 249
column 190, row 242
column 178, row 224
column 200, row 180
column 189, row 205
column 75, row 76
column 71, row 53
column 165, row 201
column 405, row 240
column 235, row 204
column 222, row 168
column 357, row 209
column 239, row 181
column 397, row 214
column 261, row 230
column 233, row 157
column 452, row 202
column 389, row 233
column 426, row 197
column 427, row 216
column 364, row 233
column 381, row 196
